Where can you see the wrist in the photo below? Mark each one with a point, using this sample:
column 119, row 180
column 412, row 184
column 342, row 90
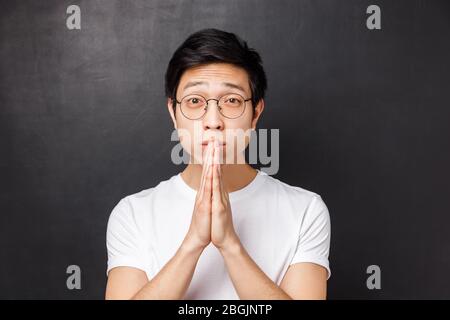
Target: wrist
column 232, row 247
column 190, row 246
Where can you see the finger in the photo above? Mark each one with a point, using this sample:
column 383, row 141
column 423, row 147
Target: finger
column 204, row 171
column 223, row 192
column 205, row 153
column 208, row 182
column 216, row 179
column 206, row 156
column 206, row 165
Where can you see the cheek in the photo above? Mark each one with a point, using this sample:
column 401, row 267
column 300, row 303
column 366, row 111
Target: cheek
column 190, row 135
column 237, row 136
column 184, row 134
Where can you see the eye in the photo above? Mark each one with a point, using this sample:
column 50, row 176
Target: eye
column 233, row 101
column 193, row 102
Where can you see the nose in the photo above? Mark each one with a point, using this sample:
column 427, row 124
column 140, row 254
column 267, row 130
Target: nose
column 212, row 118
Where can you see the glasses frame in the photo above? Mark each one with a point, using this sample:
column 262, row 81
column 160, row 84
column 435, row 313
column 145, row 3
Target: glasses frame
column 207, row 104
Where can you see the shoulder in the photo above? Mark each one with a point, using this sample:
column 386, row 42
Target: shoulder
column 134, row 205
column 300, row 204
column 292, row 193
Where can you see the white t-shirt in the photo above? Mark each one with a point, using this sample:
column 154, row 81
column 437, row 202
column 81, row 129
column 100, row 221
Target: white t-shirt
column 278, row 224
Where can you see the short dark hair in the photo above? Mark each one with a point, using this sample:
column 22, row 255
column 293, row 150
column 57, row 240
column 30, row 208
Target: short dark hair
column 216, row 46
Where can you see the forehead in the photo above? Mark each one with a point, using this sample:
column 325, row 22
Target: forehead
column 213, row 78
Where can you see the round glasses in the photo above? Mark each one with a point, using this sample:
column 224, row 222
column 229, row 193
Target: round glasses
column 194, row 106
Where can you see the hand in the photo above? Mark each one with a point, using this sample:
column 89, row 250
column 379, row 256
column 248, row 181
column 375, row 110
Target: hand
column 199, row 233
column 223, row 234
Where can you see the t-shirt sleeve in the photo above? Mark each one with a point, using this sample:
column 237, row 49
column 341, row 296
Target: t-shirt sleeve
column 124, row 242
column 315, row 231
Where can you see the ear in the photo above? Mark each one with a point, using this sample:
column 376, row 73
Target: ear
column 171, row 112
column 257, row 113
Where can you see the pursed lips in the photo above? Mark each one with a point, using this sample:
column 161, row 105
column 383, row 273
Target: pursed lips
column 205, row 143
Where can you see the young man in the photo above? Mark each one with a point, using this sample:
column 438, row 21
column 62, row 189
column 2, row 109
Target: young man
column 217, row 230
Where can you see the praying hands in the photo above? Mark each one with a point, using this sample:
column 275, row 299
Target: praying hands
column 212, row 218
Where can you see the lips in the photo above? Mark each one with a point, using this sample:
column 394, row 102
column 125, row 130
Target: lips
column 205, row 143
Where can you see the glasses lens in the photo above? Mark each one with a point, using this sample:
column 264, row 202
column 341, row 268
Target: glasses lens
column 232, row 105
column 193, row 106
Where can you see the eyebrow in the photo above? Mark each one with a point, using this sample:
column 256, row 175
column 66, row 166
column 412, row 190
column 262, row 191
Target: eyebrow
column 226, row 84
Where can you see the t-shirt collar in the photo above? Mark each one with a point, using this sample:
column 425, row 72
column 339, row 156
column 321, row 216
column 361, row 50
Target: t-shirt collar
column 234, row 196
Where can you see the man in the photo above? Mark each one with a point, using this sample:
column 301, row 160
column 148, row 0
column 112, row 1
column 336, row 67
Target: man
column 218, row 230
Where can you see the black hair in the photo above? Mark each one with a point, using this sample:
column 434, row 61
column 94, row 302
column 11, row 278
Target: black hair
column 216, row 46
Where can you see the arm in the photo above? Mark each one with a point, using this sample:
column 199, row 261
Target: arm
column 170, row 283
column 305, row 281
column 301, row 281
column 250, row 282
column 174, row 278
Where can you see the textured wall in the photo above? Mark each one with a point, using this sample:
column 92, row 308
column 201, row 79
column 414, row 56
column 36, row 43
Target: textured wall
column 363, row 118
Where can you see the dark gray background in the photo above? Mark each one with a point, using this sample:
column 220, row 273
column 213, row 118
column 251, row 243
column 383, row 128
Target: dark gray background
column 363, row 118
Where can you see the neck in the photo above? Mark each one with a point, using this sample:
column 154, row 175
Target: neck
column 235, row 176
